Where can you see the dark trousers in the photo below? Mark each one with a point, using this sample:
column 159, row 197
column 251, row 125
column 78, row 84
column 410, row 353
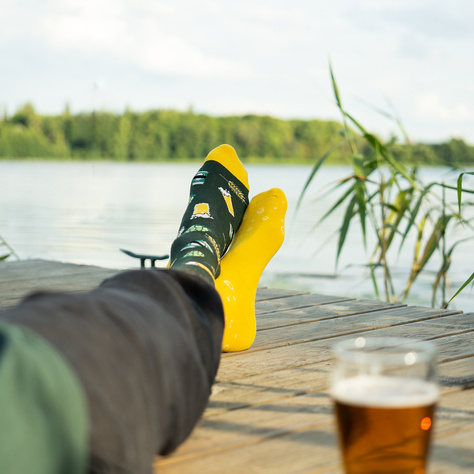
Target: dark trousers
column 145, row 346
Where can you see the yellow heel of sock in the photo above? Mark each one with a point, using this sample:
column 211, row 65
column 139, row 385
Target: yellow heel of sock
column 258, row 239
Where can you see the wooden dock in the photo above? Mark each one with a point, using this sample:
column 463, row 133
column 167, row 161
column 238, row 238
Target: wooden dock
column 269, row 411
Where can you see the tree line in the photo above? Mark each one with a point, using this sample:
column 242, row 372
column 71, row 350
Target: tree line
column 165, row 135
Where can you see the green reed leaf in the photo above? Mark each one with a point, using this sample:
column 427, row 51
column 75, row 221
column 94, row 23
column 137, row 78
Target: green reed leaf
column 347, row 130
column 374, row 280
column 336, row 205
column 315, row 170
column 460, row 190
column 335, row 87
column 360, row 192
column 415, row 211
column 398, row 209
column 471, row 278
column 349, row 214
column 430, row 246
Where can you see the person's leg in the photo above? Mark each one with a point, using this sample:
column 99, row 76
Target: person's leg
column 145, row 346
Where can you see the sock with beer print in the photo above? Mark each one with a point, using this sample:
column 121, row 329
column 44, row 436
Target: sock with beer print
column 217, row 203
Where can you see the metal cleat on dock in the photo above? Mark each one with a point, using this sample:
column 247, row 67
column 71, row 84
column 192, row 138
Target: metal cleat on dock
column 144, row 258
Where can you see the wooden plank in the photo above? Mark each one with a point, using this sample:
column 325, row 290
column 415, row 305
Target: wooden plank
column 79, row 281
column 280, row 454
column 234, row 366
column 260, row 388
column 26, row 269
column 264, row 293
column 240, row 429
column 279, row 319
column 23, row 271
column 453, row 454
column 294, row 431
column 265, row 388
column 340, row 324
column 457, row 372
column 270, row 387
column 455, row 413
column 295, row 301
column 12, row 293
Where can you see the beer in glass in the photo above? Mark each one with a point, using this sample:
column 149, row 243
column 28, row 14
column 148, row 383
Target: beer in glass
column 385, row 393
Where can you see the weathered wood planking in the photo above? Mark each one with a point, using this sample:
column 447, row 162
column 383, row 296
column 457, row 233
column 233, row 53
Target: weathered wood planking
column 17, row 279
column 332, row 308
column 235, row 366
column 269, row 411
column 298, row 435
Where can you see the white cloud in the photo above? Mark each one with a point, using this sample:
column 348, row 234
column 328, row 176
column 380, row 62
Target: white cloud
column 137, row 34
column 289, row 14
column 172, row 54
column 84, row 26
column 431, row 106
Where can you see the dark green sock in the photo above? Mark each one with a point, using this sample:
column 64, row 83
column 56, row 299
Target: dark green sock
column 217, row 203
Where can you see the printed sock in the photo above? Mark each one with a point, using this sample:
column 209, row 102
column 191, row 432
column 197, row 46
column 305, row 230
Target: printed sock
column 217, row 202
column 258, row 239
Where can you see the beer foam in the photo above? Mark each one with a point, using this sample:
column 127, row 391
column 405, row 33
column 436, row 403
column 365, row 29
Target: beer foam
column 385, row 392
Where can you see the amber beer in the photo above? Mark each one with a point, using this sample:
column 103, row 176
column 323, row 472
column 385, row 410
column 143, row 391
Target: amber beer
column 384, row 423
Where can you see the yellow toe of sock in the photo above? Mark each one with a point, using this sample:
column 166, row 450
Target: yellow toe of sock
column 227, row 157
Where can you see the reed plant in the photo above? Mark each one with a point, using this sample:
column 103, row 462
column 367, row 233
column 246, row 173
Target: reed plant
column 5, row 246
column 395, row 208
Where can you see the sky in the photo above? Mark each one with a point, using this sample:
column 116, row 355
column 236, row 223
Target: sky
column 410, row 58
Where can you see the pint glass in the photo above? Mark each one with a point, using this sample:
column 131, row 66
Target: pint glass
column 385, row 393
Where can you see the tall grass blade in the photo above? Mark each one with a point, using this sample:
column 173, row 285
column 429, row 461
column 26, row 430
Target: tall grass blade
column 335, row 87
column 374, row 279
column 414, row 213
column 360, row 193
column 336, row 205
column 471, row 278
column 398, row 210
column 341, row 109
column 4, row 243
column 445, row 267
column 349, row 214
column 378, row 145
column 315, row 170
column 460, row 190
column 430, row 246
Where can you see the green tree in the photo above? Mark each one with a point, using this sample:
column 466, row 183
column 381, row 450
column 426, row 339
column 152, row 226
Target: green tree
column 121, row 146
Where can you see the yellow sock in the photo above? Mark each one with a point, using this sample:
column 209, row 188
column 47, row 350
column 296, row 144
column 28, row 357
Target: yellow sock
column 258, row 239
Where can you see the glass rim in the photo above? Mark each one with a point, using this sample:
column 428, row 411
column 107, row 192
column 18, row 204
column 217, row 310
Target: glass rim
column 364, row 349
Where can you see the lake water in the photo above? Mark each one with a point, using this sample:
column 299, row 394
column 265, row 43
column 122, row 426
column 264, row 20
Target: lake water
column 84, row 212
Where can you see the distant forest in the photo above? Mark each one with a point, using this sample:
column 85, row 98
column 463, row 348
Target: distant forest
column 165, row 135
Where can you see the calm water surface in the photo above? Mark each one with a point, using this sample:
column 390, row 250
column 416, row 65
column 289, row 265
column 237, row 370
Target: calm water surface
column 85, row 212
